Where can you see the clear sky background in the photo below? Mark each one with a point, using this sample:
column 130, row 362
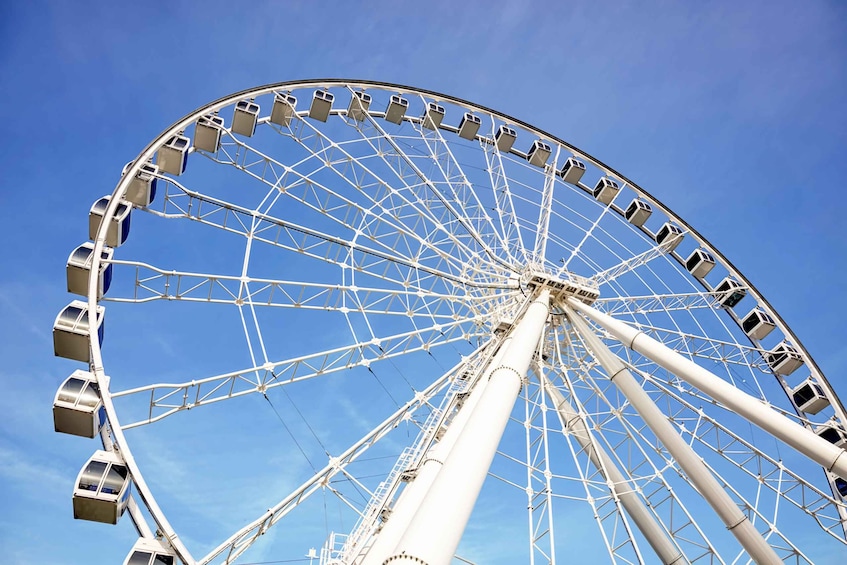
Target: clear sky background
column 731, row 113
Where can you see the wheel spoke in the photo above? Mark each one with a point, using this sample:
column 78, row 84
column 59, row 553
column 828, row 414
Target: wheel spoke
column 167, row 399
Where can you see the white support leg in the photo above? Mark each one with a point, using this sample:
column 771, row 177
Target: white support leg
column 665, row 549
column 829, row 456
column 699, row 475
column 437, row 527
column 414, row 493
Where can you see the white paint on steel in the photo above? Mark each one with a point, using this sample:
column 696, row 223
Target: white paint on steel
column 437, row 527
column 687, row 459
column 415, row 492
column 572, row 421
column 831, row 457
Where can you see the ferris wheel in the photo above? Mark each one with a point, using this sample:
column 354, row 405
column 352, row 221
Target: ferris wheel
column 364, row 323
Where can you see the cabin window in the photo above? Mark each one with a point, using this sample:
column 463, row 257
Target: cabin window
column 90, row 396
column 114, row 480
column 139, row 558
column 70, row 390
column 90, row 478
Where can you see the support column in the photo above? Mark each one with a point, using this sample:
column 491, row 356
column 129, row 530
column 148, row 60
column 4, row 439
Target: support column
column 415, row 492
column 665, row 549
column 829, row 456
column 437, row 527
column 691, row 463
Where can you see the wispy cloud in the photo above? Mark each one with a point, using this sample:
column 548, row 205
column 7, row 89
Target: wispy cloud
column 36, row 477
column 14, row 298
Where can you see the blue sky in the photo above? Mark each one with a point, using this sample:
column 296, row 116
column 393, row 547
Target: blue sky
column 731, row 114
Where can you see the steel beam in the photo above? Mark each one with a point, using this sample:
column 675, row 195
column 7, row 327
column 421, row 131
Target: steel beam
column 437, row 527
column 692, row 465
column 829, row 456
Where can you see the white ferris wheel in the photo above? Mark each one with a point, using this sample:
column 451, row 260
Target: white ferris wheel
column 364, row 323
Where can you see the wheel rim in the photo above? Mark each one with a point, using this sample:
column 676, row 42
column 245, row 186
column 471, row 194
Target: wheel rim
column 441, row 232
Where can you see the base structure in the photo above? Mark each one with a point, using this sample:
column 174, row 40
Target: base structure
column 428, row 520
column 434, row 532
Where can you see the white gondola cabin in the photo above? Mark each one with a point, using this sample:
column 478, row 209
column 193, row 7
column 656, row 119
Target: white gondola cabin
column 700, row 263
column 360, row 103
column 605, row 190
column 833, row 433
column 638, row 212
column 397, row 107
column 118, row 230
column 283, row 109
column 469, row 126
column 102, row 489
column 142, row 188
column 207, row 133
column 783, row 359
column 244, row 118
column 809, row 397
column 669, row 236
column 433, row 116
column 504, row 325
column 172, row 157
column 79, row 268
column 148, row 551
column 729, row 292
column 757, row 324
column 841, row 486
column 77, row 408
column 539, row 153
column 505, row 138
column 572, row 170
column 321, row 105
column 71, row 330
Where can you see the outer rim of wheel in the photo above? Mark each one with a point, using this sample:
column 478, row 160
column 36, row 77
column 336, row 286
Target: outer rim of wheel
column 148, row 152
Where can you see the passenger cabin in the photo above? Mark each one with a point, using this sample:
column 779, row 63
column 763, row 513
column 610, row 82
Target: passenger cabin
column 71, row 330
column 783, row 359
column 757, row 324
column 207, row 133
column 283, row 109
column 77, row 407
column 433, row 116
column 841, row 486
column 172, row 156
column 142, row 188
column 808, row 396
column 321, row 105
column 118, row 230
column 469, row 126
column 605, row 190
column 102, row 489
column 148, row 551
column 833, row 433
column 504, row 325
column 729, row 292
column 397, row 107
column 505, row 138
column 244, row 118
column 539, row 153
column 360, row 103
column 669, row 236
column 700, row 263
column 572, row 170
column 637, row 212
column 79, row 268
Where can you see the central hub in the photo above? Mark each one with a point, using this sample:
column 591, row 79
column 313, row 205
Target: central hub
column 564, row 285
